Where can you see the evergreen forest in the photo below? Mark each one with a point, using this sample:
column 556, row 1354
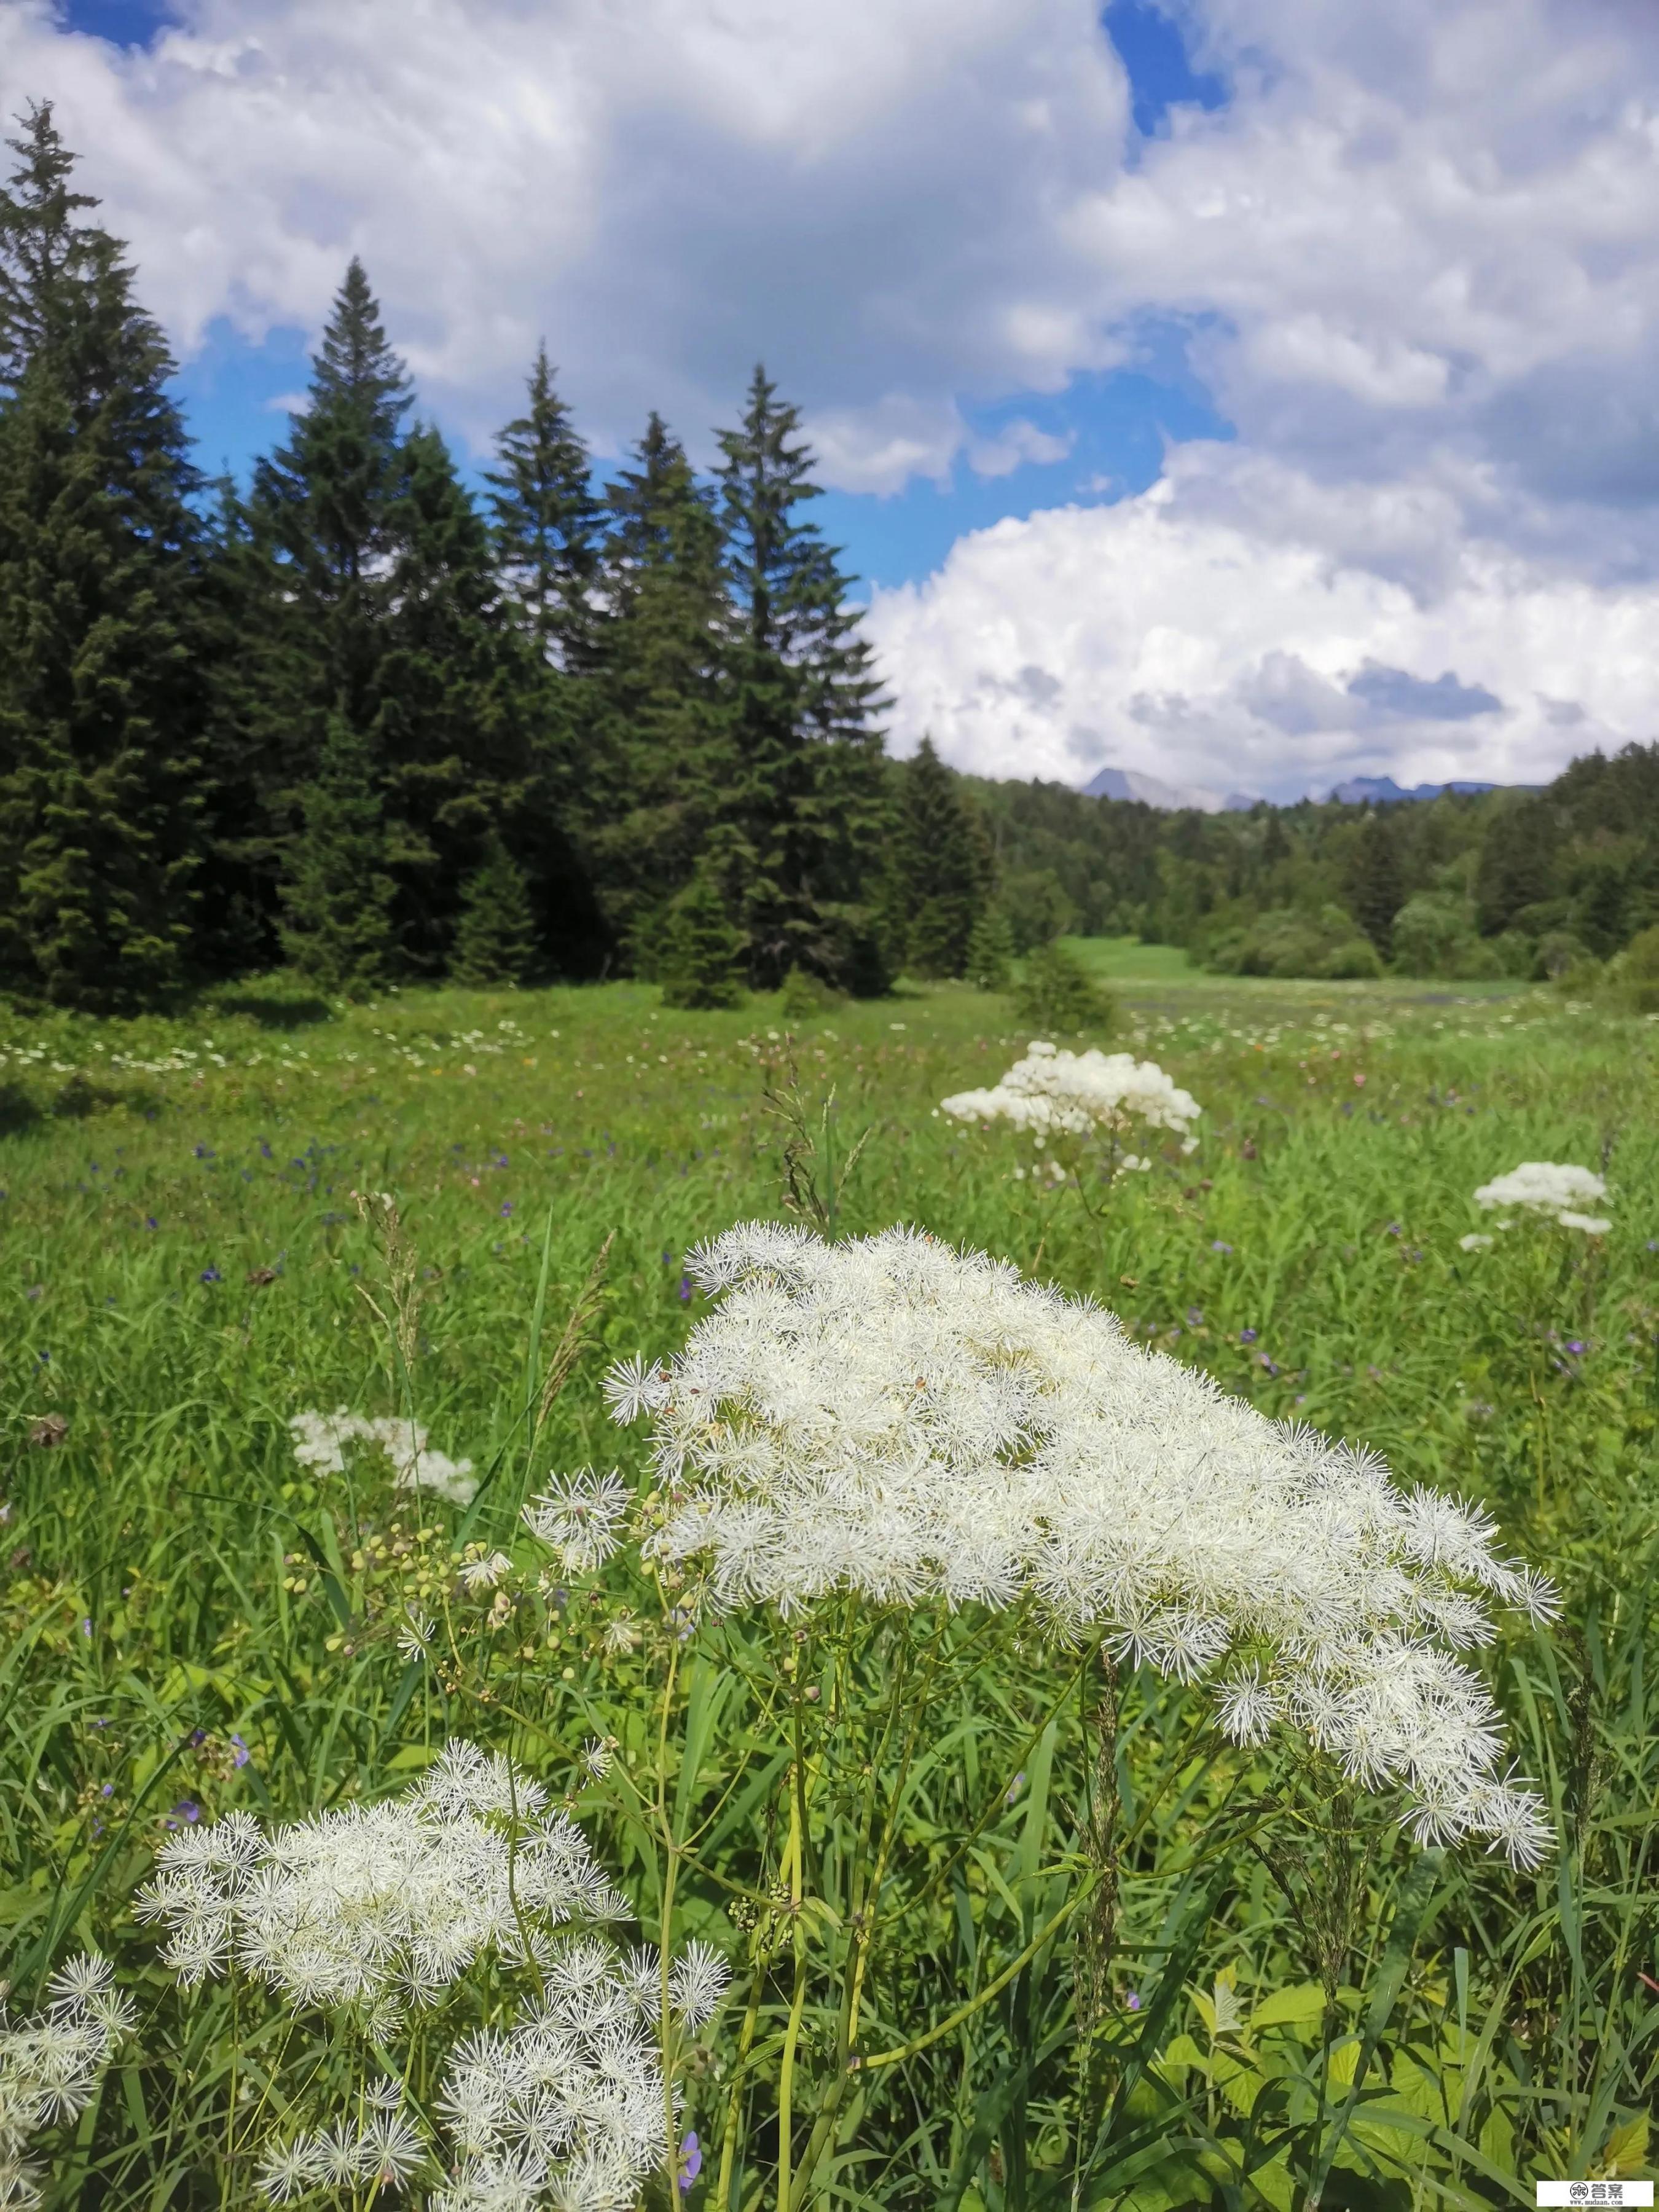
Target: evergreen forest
column 355, row 720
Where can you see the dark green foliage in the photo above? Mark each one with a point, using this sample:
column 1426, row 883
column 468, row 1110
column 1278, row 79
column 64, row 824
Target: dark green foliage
column 1289, row 941
column 495, row 936
column 547, row 526
column 453, row 731
column 804, row 809
column 338, row 893
column 661, row 765
column 990, row 957
column 1378, row 888
column 1038, row 908
column 701, row 959
column 1055, row 996
column 1636, row 977
column 804, row 996
column 942, row 867
column 102, row 690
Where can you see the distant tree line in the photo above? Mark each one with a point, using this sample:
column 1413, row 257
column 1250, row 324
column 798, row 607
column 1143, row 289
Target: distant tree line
column 357, row 720
column 1505, row 883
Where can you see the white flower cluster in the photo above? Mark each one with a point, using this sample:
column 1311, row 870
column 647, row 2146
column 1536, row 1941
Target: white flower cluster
column 1548, row 1187
column 566, row 2103
column 319, row 1442
column 1053, row 1092
column 50, row 2065
column 380, row 1906
column 889, row 1416
column 572, row 2096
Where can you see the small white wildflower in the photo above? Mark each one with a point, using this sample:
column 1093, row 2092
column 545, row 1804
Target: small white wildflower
column 319, row 1441
column 620, row 1636
column 579, row 1516
column 484, row 1574
column 697, row 1983
column 52, row 2061
column 1474, row 1242
column 416, row 1635
column 634, row 1387
column 1592, row 1224
column 597, row 1757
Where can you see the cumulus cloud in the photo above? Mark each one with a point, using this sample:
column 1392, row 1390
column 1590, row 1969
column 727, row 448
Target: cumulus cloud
column 1185, row 632
column 1415, row 256
column 866, row 195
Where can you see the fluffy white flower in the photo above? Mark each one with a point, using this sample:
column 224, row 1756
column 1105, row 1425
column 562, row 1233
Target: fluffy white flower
column 319, row 1442
column 1074, row 1094
column 1548, row 1187
column 697, row 1983
column 51, row 2063
column 566, row 2106
column 579, row 1515
column 893, row 1417
column 484, row 1574
column 361, row 1903
column 1474, row 1242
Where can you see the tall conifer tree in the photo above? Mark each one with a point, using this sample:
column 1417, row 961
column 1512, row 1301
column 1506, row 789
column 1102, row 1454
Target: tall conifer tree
column 942, row 867
column 548, row 527
column 101, row 701
column 805, row 807
column 664, row 755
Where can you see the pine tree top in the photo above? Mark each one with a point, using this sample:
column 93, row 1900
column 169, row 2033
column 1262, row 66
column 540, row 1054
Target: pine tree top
column 44, row 251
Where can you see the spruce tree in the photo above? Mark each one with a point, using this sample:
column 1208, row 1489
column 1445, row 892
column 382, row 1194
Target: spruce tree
column 699, row 962
column 326, row 506
column 101, row 694
column 457, row 701
column 496, row 937
column 664, row 760
column 1377, row 889
column 547, row 526
column 46, row 257
column 805, row 800
column 338, row 894
column 990, row 957
column 942, row 865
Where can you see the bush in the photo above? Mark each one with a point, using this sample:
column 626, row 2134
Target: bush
column 1434, row 936
column 1561, row 957
column 1354, row 961
column 805, row 996
column 1290, row 941
column 1633, row 977
column 1056, row 995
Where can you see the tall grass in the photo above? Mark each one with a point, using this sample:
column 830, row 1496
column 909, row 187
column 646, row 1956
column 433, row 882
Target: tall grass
column 1099, row 1957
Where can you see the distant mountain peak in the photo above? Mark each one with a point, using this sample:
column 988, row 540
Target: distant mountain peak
column 1167, row 798
column 1383, row 791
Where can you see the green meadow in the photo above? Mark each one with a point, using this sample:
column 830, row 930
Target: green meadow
column 1256, row 1991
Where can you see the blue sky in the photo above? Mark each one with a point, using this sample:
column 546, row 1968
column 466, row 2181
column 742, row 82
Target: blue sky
column 1226, row 390
column 1116, row 424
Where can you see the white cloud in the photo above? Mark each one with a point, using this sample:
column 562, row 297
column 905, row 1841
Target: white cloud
column 864, row 194
column 1013, row 445
column 1187, row 635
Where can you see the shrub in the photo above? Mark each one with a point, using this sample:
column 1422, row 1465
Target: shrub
column 804, row 994
column 1056, row 993
column 1634, row 975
